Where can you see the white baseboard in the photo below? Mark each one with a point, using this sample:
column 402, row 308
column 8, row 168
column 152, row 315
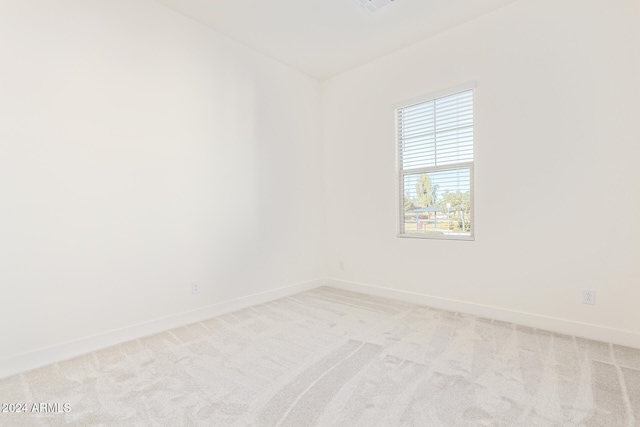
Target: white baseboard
column 563, row 326
column 28, row 361
column 35, row 359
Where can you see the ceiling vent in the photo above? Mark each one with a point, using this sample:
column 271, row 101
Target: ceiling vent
column 374, row 5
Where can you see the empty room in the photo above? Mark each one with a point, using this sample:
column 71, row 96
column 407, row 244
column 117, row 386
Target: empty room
column 320, row 213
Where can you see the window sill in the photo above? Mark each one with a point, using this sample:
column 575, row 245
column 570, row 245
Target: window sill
column 436, row 237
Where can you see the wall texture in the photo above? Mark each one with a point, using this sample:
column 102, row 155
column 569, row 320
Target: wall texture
column 556, row 172
column 141, row 151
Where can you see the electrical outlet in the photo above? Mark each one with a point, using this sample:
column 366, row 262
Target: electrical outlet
column 195, row 287
column 589, row 296
column 341, row 265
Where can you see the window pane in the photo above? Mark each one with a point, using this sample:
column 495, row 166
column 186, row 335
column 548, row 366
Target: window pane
column 437, row 203
column 419, row 152
column 436, row 133
column 454, row 111
column 454, row 146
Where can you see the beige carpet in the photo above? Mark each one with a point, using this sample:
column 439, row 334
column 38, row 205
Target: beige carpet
column 333, row 358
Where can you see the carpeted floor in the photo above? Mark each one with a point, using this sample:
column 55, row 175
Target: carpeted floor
column 328, row 357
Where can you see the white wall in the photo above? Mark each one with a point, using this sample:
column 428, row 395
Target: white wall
column 140, row 151
column 557, row 164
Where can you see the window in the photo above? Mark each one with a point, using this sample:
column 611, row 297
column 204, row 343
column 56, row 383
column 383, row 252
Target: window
column 435, row 164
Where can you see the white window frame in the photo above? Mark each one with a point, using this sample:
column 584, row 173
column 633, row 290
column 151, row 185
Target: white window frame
column 400, row 173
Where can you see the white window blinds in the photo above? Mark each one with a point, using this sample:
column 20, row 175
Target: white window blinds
column 435, row 143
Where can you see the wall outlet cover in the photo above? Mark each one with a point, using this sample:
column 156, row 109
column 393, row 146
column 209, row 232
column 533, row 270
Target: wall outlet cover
column 195, row 287
column 589, row 296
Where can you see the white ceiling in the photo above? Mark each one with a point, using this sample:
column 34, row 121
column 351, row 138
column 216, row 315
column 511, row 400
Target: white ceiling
column 323, row 38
